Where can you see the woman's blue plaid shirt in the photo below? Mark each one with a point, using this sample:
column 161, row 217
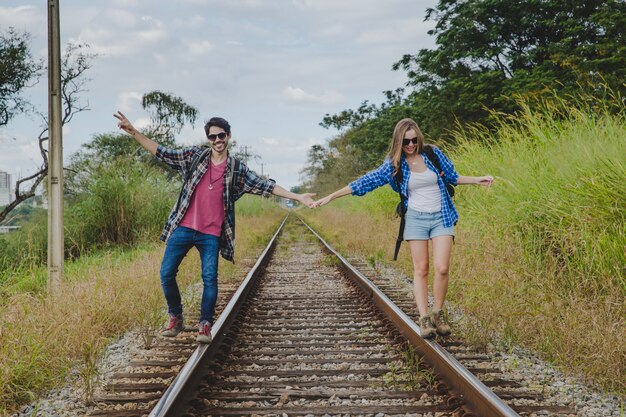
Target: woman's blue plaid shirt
column 383, row 175
column 236, row 184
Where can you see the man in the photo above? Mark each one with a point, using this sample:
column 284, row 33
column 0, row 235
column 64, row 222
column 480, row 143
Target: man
column 204, row 215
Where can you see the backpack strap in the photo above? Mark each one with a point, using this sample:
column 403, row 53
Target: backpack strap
column 236, row 170
column 401, row 211
column 432, row 157
column 195, row 161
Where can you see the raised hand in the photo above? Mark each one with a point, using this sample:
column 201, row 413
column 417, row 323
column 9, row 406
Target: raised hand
column 124, row 123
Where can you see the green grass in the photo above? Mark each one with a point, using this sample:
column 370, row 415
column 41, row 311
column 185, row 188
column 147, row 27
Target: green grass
column 33, row 280
column 540, row 257
column 103, row 295
column 559, row 190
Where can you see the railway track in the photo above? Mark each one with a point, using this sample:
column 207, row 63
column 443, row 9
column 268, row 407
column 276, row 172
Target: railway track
column 307, row 334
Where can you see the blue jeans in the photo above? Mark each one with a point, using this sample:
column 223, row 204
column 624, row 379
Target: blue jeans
column 179, row 243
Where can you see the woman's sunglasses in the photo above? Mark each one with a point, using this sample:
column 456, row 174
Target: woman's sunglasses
column 405, row 142
column 221, row 135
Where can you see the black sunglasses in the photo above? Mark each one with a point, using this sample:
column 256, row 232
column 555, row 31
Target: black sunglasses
column 405, row 142
column 221, row 135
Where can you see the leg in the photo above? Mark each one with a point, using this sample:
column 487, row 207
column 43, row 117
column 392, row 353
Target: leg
column 177, row 247
column 442, row 248
column 208, row 247
column 419, row 255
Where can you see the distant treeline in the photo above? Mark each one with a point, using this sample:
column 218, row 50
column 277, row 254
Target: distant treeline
column 490, row 56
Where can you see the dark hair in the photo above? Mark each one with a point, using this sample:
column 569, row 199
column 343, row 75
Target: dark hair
column 219, row 122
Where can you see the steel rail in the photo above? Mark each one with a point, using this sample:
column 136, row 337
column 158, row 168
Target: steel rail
column 172, row 397
column 479, row 399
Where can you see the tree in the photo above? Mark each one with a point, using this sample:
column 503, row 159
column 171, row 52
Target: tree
column 74, row 64
column 489, row 52
column 18, row 70
column 168, row 115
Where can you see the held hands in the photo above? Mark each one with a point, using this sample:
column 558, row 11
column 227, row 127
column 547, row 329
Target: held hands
column 322, row 201
column 124, row 123
column 310, row 203
column 307, row 200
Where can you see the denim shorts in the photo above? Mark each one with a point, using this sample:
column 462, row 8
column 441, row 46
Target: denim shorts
column 425, row 226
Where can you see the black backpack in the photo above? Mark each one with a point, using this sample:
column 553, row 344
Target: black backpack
column 401, row 207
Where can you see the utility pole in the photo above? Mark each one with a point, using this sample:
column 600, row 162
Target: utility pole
column 55, row 152
column 262, row 169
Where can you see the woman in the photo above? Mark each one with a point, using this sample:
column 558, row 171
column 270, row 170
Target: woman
column 430, row 215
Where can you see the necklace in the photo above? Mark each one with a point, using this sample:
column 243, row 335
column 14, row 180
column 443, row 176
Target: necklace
column 211, row 182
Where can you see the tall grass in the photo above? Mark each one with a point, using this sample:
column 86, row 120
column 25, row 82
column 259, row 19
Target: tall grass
column 560, row 191
column 123, row 203
column 540, row 257
column 103, row 295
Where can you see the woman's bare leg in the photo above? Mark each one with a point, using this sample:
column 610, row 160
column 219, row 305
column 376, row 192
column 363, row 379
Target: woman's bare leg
column 442, row 249
column 419, row 255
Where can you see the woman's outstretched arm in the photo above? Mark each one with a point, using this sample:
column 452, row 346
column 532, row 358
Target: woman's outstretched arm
column 485, row 180
column 339, row 193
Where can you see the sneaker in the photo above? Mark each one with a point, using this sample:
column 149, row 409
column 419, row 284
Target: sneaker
column 426, row 327
column 204, row 333
column 174, row 327
column 437, row 317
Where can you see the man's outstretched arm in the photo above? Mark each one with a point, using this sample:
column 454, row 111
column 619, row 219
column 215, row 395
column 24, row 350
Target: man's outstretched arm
column 147, row 143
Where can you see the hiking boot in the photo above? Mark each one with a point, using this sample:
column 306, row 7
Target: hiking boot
column 426, row 327
column 174, row 327
column 439, row 321
column 204, row 333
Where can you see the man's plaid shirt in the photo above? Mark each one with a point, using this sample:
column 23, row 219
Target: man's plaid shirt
column 383, row 175
column 236, row 184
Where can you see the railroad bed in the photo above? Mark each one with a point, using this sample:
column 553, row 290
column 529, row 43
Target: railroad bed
column 306, row 340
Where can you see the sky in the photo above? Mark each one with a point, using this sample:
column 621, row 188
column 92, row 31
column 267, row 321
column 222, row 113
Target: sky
column 272, row 68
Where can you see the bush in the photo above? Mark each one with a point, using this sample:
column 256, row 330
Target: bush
column 124, row 202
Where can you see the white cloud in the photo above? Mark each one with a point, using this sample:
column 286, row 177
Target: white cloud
column 142, row 122
column 299, row 96
column 199, row 48
column 119, row 33
column 22, row 18
column 195, row 2
column 129, row 101
column 273, row 68
column 122, row 18
column 125, row 3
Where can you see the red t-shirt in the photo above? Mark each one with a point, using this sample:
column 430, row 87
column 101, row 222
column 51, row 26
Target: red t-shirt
column 206, row 208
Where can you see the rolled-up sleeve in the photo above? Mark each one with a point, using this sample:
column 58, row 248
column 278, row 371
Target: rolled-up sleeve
column 372, row 180
column 178, row 159
column 450, row 174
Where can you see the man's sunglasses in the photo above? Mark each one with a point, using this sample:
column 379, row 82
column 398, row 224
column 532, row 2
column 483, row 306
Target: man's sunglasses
column 221, row 135
column 405, row 142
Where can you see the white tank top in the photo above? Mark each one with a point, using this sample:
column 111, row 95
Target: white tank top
column 424, row 194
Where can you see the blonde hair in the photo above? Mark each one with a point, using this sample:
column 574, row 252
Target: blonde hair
column 395, row 148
